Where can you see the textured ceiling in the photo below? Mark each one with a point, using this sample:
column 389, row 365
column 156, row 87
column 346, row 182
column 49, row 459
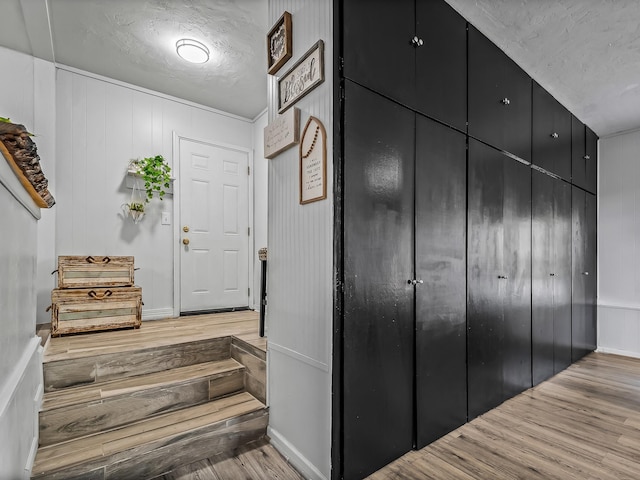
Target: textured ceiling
column 134, row 41
column 586, row 53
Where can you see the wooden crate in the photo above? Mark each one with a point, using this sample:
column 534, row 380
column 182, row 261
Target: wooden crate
column 94, row 271
column 91, row 309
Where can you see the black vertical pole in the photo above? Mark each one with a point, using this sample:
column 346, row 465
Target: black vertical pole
column 262, row 255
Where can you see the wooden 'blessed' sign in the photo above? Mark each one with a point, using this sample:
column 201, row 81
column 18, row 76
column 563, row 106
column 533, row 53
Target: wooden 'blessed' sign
column 313, row 162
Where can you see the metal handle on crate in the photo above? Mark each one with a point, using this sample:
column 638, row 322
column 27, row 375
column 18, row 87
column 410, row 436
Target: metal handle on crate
column 90, row 259
column 93, row 294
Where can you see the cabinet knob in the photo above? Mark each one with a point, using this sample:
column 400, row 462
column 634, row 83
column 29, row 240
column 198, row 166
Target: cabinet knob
column 554, row 135
column 587, row 157
column 585, row 273
column 505, row 101
column 417, row 42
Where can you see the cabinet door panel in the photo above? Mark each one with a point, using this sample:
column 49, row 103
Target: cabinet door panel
column 485, row 231
column 378, row 303
column 578, row 152
column 543, row 269
column 377, row 46
column 499, row 98
column 562, row 277
column 579, row 320
column 441, row 363
column 517, row 267
column 551, row 134
column 591, row 267
column 591, row 164
column 442, row 95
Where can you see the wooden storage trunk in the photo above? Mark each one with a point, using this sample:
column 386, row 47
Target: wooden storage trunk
column 89, row 309
column 85, row 272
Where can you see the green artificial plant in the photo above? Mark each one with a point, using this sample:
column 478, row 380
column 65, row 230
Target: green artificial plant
column 155, row 173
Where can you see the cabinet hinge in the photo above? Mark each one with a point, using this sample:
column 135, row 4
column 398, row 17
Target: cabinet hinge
column 341, row 64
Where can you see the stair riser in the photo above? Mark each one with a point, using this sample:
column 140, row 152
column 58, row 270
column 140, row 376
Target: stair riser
column 156, row 458
column 102, row 368
column 256, row 371
column 66, row 423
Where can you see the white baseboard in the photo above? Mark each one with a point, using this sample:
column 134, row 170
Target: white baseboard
column 614, row 351
column 16, row 376
column 157, row 314
column 294, row 457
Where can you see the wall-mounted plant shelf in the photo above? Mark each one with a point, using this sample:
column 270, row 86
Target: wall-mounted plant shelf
column 133, row 177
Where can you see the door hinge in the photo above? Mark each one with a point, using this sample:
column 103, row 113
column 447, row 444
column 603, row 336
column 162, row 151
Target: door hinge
column 249, row 231
column 248, row 170
column 249, row 292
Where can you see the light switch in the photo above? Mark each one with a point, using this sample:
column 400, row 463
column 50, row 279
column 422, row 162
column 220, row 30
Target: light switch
column 166, row 218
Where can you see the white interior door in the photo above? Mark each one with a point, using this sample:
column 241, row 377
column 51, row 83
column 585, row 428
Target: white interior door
column 214, row 227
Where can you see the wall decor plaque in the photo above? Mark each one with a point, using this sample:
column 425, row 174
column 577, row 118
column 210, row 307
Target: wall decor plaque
column 279, row 44
column 303, row 77
column 283, row 132
column 313, row 162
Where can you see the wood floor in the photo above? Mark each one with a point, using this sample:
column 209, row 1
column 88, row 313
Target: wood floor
column 159, row 333
column 259, row 461
column 583, row 424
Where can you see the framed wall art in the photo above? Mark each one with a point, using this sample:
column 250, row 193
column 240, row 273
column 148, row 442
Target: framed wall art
column 313, row 162
column 304, row 76
column 279, row 44
column 282, row 133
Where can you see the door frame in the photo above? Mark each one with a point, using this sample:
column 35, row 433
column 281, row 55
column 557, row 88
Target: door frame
column 177, row 266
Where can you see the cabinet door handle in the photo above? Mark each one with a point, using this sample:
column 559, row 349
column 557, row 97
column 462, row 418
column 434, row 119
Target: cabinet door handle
column 417, row 42
column 505, row 101
column 554, row 135
column 552, row 274
column 415, row 282
column 503, row 277
column 587, row 157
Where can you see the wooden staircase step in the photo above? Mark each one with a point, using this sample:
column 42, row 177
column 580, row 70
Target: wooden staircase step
column 75, row 412
column 103, row 367
column 254, row 360
column 154, row 446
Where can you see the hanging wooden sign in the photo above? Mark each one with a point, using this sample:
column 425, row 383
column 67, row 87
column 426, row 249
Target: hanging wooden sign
column 304, row 76
column 282, row 133
column 313, row 162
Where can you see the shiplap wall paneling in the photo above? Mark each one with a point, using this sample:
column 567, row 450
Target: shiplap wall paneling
column 300, row 239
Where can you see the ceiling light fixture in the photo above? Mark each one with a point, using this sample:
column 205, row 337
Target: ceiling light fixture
column 192, row 50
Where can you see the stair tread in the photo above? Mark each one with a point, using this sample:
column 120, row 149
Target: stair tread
column 162, row 427
column 102, row 390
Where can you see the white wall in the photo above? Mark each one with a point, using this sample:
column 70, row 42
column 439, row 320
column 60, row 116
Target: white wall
column 260, row 199
column 619, row 245
column 101, row 126
column 20, row 355
column 300, row 293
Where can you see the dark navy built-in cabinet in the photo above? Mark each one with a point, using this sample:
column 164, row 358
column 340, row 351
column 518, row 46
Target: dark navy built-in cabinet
column 465, row 230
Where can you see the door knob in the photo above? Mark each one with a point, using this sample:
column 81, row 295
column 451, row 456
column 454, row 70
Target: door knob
column 185, row 229
column 417, row 42
column 185, row 241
